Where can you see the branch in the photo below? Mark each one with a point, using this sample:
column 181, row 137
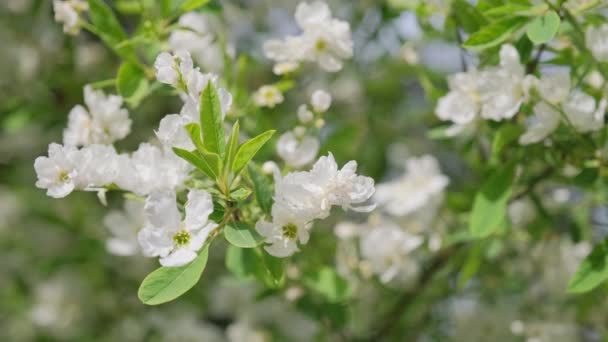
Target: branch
column 392, row 318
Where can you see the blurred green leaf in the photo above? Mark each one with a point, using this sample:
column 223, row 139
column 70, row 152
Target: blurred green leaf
column 506, row 134
column 593, row 270
column 490, row 205
column 131, row 83
column 240, row 194
column 167, row 283
column 190, row 5
column 109, row 28
column 543, row 28
column 494, row 33
column 467, row 16
column 329, row 284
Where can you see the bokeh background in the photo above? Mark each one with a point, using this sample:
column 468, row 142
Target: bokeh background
column 58, row 281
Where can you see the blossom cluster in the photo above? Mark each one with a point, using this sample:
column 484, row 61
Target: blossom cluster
column 324, row 40
column 304, row 196
column 388, row 240
column 497, row 93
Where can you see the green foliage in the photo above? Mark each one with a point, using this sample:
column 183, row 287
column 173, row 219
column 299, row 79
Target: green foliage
column 495, row 33
column 254, row 262
column 248, row 149
column 490, row 205
column 196, row 160
column 262, row 188
column 467, row 16
column 167, row 283
column 242, row 235
column 543, row 28
column 131, row 83
column 212, row 122
column 190, row 5
column 109, row 28
column 592, row 272
column 326, row 282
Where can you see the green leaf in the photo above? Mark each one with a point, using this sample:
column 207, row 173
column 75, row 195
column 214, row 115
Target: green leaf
column 515, row 9
column 212, row 123
column 240, row 261
column 241, row 235
column 233, row 144
column 543, row 28
column 109, row 29
column 269, row 270
column 490, row 205
column 467, row 16
column 196, row 160
column 240, row 194
column 593, row 270
column 213, row 160
column 247, row 151
column 167, row 283
column 190, row 5
column 261, row 187
column 329, row 284
column 506, row 134
column 246, row 262
column 194, row 131
column 131, row 83
column 494, row 34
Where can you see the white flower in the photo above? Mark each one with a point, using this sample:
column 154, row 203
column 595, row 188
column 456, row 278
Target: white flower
column 581, row 111
column 57, row 173
column 68, row 13
column 495, row 93
column 462, row 104
column 268, row 96
column 596, row 39
column 195, row 36
column 124, row 225
column 297, row 152
column 97, row 166
column 312, row 194
column 555, row 87
column 284, row 232
column 166, row 235
column 305, row 115
column 539, row 126
column 386, row 248
column 174, row 69
column 502, row 90
column 155, row 170
column 421, row 183
column 324, row 39
column 320, row 101
column 104, row 122
column 283, row 68
column 171, row 132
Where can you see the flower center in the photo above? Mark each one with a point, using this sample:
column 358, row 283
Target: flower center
column 320, row 45
column 181, row 238
column 269, row 96
column 63, row 176
column 290, row 231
